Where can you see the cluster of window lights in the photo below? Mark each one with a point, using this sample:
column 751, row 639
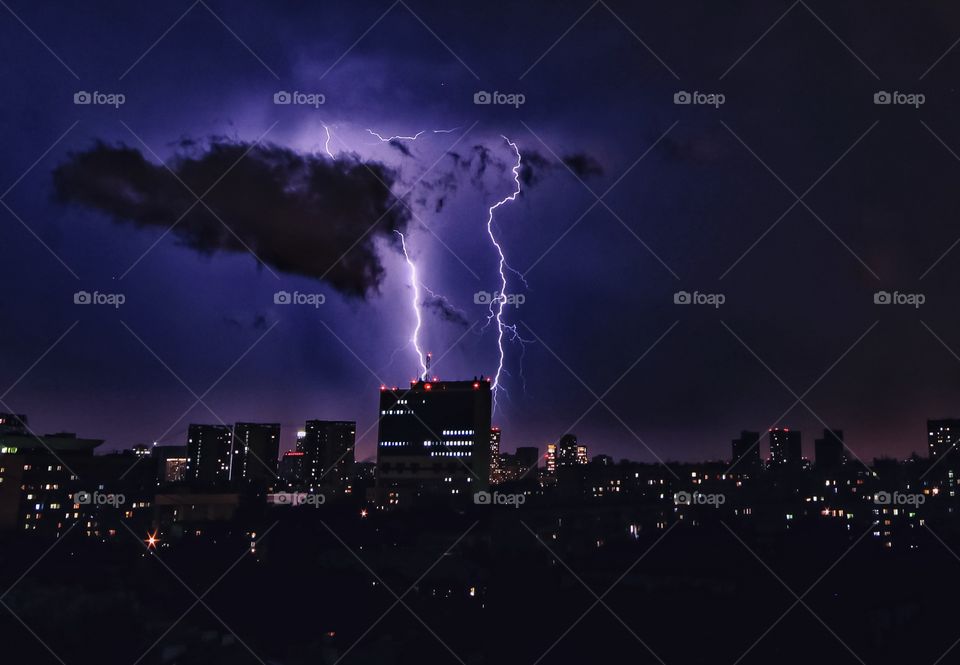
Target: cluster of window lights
column 458, row 432
column 395, row 412
column 459, row 442
column 450, row 453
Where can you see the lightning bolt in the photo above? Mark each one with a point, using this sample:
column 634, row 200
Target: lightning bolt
column 415, row 337
column 326, row 146
column 387, row 139
column 497, row 305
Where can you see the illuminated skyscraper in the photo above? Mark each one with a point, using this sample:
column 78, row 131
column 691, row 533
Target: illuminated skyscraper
column 785, row 447
column 434, row 439
column 942, row 436
column 258, row 446
column 328, row 453
column 209, row 455
column 495, row 455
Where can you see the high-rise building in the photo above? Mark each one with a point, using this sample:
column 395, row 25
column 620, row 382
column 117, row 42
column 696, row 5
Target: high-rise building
column 551, row 458
column 569, row 452
column 328, row 453
column 291, row 468
column 171, row 463
column 434, row 439
column 258, row 447
column 209, row 455
column 942, row 436
column 495, row 470
column 829, row 451
column 528, row 458
column 746, row 453
column 785, row 447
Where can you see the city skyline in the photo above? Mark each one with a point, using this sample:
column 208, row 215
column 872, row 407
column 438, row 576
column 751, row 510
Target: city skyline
column 667, row 288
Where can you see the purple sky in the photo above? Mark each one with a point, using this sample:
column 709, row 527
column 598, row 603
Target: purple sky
column 799, row 304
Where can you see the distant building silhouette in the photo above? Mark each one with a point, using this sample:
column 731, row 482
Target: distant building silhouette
column 209, row 455
column 829, row 451
column 746, row 453
column 258, row 447
column 785, row 447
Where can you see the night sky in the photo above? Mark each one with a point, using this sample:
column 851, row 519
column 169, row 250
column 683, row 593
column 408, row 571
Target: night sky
column 701, row 199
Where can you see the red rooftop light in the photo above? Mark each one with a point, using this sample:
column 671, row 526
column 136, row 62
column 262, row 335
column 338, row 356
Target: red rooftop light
column 427, row 386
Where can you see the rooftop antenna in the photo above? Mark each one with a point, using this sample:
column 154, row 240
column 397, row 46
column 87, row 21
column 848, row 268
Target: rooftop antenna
column 426, row 374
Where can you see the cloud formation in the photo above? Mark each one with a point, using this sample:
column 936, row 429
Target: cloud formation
column 302, row 214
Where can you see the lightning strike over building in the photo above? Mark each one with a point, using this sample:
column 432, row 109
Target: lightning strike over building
column 415, row 283
column 499, row 302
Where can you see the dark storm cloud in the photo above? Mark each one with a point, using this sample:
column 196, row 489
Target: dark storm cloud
column 300, row 214
column 534, row 166
column 446, row 311
column 401, row 148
